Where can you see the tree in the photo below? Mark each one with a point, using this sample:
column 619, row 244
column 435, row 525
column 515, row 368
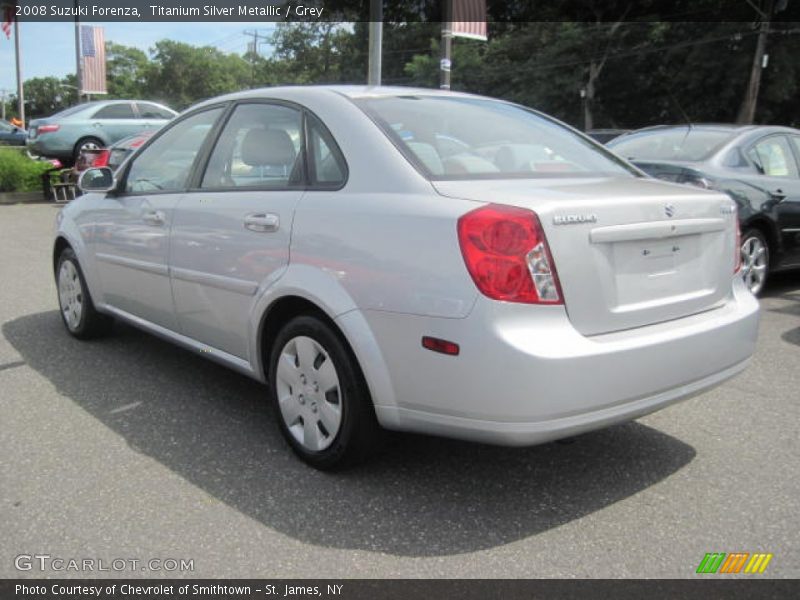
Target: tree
column 126, row 71
column 180, row 74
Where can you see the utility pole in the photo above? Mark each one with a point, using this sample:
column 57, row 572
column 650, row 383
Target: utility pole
column 447, row 45
column 375, row 42
column 747, row 111
column 255, row 35
column 20, row 90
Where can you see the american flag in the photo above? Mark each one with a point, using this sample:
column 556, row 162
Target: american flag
column 8, row 19
column 93, row 52
column 469, row 19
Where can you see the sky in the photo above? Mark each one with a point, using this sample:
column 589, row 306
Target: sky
column 49, row 48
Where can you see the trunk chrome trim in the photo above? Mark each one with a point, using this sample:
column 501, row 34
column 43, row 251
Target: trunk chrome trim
column 655, row 230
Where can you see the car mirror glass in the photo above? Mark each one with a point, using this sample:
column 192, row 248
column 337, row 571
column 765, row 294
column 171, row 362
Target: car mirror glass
column 97, row 179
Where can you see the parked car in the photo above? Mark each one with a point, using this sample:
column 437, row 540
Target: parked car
column 93, row 125
column 111, row 157
column 11, row 135
column 757, row 166
column 606, row 135
column 524, row 285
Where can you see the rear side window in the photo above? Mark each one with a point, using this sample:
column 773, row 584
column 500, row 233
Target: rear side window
column 773, row 157
column 115, row 111
column 327, row 168
column 260, row 147
column 165, row 165
column 151, row 111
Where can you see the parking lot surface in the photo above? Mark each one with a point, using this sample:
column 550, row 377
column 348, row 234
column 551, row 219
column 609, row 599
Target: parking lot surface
column 130, row 448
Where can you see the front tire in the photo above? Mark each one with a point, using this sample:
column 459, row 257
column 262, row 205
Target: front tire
column 76, row 306
column 319, row 395
column 755, row 260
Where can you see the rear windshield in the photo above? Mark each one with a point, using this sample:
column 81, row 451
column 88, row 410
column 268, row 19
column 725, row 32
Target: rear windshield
column 684, row 144
column 450, row 137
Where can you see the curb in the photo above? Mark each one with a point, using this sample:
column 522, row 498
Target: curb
column 23, row 198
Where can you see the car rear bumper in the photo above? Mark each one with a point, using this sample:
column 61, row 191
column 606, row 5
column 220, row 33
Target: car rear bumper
column 524, row 375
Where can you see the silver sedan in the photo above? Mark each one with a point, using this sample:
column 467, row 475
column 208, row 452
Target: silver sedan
column 414, row 260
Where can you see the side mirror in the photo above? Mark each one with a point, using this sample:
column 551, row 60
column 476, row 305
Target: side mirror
column 97, row 179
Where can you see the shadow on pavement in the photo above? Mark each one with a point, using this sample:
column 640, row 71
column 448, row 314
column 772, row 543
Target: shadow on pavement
column 422, row 497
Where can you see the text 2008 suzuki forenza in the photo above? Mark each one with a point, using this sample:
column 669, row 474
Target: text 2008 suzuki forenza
column 412, row 259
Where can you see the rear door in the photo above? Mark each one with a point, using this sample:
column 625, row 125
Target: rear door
column 789, row 213
column 115, row 121
column 152, row 116
column 231, row 233
column 775, row 157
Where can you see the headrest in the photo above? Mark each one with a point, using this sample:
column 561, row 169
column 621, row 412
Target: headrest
column 263, row 147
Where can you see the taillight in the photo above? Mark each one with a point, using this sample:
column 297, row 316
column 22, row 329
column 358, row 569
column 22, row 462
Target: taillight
column 101, row 158
column 507, row 255
column 47, row 128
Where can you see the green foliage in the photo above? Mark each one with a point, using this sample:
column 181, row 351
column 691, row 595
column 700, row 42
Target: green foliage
column 632, row 73
column 18, row 173
column 180, row 74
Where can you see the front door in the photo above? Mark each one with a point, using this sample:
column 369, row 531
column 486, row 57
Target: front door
column 132, row 228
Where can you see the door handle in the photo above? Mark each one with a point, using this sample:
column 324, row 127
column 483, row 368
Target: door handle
column 154, row 217
column 262, row 222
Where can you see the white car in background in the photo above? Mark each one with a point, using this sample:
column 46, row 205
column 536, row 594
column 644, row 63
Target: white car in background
column 413, row 260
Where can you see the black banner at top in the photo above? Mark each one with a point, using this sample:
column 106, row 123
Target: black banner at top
column 499, row 11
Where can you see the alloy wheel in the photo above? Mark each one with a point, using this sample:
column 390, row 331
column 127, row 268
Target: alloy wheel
column 755, row 260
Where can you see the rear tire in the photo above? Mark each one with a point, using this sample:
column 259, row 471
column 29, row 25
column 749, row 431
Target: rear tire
column 87, row 143
column 755, row 260
column 76, row 306
column 319, row 395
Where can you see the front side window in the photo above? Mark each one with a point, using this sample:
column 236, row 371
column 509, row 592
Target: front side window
column 165, row 165
column 773, row 157
column 115, row 111
column 451, row 137
column 260, row 146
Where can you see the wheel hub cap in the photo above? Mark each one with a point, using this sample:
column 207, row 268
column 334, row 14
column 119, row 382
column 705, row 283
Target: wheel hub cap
column 309, row 394
column 70, row 294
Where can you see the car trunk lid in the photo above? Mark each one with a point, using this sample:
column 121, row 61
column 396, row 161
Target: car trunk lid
column 629, row 251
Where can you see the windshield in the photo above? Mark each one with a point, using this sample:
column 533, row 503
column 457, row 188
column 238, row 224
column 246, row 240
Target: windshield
column 449, row 137
column 685, row 144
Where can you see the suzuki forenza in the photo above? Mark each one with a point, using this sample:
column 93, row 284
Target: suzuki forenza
column 412, row 260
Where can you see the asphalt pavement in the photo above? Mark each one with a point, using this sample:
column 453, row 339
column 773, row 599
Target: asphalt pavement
column 129, row 448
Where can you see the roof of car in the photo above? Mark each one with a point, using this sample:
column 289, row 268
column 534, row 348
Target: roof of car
column 349, row 91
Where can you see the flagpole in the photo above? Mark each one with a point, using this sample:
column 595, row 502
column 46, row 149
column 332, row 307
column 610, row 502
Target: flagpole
column 20, row 90
column 78, row 69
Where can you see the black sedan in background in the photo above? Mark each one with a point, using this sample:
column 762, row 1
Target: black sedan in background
column 758, row 166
